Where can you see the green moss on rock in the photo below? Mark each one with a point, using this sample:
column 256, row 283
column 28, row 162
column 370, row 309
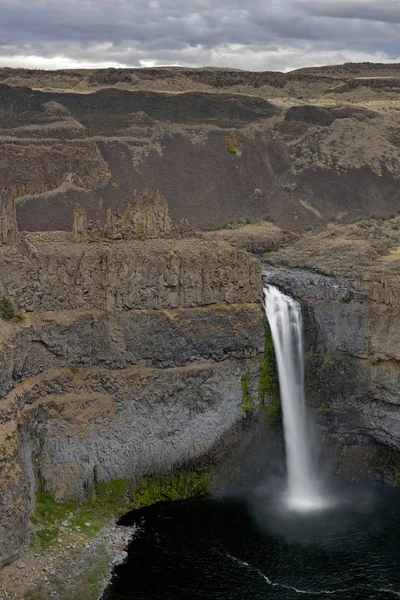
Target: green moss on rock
column 247, row 403
column 110, row 499
column 272, row 412
column 388, row 464
column 178, row 486
column 268, row 388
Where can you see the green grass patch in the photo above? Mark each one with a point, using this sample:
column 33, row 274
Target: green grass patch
column 110, row 499
column 43, row 537
column 268, row 385
column 49, row 511
column 49, row 515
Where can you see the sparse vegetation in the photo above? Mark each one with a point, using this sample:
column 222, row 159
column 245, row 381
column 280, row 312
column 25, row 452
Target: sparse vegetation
column 345, row 299
column 237, row 223
column 185, row 484
column 234, row 224
column 49, row 515
column 290, row 187
column 7, row 311
column 375, row 361
column 83, row 583
column 324, row 408
column 110, row 498
column 302, row 160
column 233, row 143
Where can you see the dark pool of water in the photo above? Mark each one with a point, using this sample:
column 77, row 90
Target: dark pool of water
column 249, row 547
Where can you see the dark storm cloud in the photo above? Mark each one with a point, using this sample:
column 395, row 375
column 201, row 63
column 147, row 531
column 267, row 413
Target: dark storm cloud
column 256, row 34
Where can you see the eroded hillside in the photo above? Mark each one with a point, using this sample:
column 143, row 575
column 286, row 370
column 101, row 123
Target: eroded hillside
column 301, row 148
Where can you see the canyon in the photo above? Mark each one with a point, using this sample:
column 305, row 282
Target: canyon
column 140, row 213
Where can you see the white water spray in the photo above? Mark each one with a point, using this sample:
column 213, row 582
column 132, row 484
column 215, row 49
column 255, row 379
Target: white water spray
column 284, row 317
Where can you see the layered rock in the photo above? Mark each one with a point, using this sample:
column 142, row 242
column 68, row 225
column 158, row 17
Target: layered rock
column 89, row 393
column 45, row 272
column 145, row 216
column 301, row 162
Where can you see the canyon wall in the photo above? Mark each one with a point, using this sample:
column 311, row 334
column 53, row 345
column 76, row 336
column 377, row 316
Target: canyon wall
column 352, row 371
column 219, row 146
column 127, row 363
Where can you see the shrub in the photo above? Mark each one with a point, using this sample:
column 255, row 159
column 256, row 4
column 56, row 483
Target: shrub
column 7, row 311
column 302, row 160
column 233, row 143
column 290, row 187
column 376, row 361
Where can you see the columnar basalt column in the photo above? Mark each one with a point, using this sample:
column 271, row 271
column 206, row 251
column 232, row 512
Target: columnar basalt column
column 8, row 217
column 80, row 224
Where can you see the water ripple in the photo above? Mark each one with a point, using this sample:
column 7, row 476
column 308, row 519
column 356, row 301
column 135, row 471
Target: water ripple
column 310, row 592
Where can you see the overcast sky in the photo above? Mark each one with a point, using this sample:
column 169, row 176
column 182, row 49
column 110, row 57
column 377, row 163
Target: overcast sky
column 252, row 34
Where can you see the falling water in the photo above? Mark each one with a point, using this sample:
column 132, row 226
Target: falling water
column 284, row 317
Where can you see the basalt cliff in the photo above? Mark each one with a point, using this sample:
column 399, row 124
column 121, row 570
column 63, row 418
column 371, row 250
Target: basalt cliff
column 126, row 362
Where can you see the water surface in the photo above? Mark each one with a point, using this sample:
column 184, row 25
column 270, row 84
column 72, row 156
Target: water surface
column 250, row 547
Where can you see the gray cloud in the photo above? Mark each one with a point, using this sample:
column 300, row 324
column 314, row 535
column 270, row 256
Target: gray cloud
column 386, row 11
column 259, row 34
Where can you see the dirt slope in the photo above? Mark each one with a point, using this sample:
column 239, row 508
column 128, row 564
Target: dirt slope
column 303, row 148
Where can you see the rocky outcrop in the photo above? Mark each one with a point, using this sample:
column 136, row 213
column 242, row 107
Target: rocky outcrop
column 380, row 287
column 94, row 389
column 145, row 216
column 48, row 273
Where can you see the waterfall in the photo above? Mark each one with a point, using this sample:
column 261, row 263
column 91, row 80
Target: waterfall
column 285, row 321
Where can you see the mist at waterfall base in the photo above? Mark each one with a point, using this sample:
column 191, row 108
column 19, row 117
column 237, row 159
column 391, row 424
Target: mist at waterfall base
column 281, row 540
